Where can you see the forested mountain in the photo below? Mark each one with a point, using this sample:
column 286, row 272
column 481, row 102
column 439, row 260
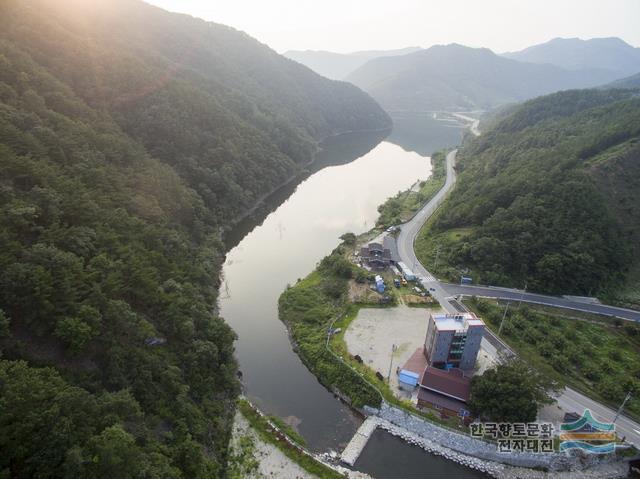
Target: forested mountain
column 457, row 77
column 548, row 196
column 610, row 54
column 632, row 82
column 129, row 137
column 197, row 95
column 339, row 65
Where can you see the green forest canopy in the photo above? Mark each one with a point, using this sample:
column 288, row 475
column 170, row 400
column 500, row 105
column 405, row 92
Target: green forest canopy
column 129, row 138
column 547, row 196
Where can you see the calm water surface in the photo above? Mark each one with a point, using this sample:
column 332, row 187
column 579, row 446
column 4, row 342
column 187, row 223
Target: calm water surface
column 287, row 246
column 387, row 457
column 283, row 241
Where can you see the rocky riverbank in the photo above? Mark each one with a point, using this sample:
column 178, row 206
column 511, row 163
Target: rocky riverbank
column 484, row 457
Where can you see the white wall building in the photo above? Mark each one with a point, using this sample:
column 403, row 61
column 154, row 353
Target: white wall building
column 453, row 340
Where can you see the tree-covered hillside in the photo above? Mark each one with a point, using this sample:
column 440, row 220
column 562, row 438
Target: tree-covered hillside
column 230, row 114
column 632, row 83
column 547, row 196
column 129, row 137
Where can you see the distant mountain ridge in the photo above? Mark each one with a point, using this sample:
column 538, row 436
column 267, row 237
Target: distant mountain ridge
column 459, row 77
column 611, row 54
column 631, row 82
column 338, row 65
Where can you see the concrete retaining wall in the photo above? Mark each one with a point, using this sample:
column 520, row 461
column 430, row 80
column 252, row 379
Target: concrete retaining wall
column 471, row 447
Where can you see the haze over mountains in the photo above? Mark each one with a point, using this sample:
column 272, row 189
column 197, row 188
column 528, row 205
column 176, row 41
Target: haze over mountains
column 458, row 77
column 632, row 81
column 611, row 54
column 338, row 65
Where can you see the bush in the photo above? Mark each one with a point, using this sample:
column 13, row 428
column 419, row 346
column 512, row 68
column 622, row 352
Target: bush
column 510, row 392
column 74, row 332
column 348, row 239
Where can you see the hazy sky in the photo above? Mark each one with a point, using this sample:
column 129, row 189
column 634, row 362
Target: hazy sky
column 349, row 25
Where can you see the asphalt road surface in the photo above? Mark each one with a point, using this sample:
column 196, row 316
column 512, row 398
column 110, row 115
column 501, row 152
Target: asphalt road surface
column 559, row 302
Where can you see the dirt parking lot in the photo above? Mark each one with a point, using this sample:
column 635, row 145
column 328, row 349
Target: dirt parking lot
column 374, row 331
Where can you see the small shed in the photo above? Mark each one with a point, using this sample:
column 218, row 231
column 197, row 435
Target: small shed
column 408, row 380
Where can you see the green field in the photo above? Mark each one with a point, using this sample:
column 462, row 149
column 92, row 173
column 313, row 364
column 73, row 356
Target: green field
column 600, row 358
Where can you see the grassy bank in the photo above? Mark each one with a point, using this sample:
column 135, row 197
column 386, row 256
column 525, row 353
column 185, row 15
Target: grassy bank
column 268, row 434
column 601, row 358
column 401, row 207
column 308, row 309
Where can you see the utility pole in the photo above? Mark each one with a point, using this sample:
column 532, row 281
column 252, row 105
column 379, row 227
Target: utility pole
column 522, row 295
column 437, row 253
column 619, row 411
column 393, row 350
column 503, row 317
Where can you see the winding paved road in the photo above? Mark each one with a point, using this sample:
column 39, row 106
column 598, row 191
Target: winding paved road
column 569, row 399
column 560, row 302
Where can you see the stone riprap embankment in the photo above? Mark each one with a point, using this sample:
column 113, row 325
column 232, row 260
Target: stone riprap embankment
column 359, row 440
column 483, row 456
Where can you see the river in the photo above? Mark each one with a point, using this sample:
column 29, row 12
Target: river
column 283, row 240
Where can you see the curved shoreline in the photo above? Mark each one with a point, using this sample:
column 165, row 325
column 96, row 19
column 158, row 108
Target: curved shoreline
column 260, row 201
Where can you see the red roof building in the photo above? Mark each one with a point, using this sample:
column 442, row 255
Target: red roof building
column 444, row 390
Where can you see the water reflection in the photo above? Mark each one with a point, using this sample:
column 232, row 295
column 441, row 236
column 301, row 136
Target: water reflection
column 335, row 151
column 421, row 133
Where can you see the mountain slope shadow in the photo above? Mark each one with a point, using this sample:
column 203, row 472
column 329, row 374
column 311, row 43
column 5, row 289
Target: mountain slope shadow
column 335, row 151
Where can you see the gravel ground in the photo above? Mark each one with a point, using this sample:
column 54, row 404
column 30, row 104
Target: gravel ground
column 372, row 333
column 273, row 463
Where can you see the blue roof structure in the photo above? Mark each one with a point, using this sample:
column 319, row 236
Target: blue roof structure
column 408, row 377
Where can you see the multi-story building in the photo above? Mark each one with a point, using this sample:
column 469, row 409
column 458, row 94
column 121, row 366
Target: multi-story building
column 453, row 340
